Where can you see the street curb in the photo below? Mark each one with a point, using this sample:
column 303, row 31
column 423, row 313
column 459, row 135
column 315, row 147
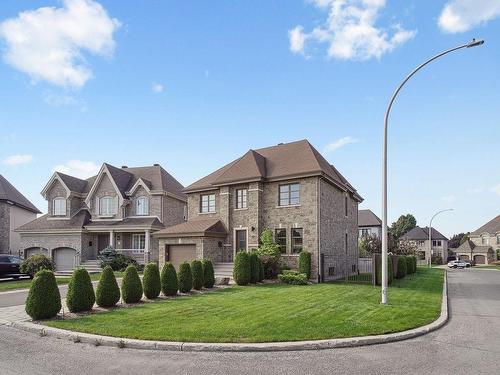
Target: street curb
column 98, row 340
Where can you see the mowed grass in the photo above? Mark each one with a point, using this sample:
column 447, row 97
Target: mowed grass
column 275, row 313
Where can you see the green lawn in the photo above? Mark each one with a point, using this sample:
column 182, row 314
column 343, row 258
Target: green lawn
column 275, row 313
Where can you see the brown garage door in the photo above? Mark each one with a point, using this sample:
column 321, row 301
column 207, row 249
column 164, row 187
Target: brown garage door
column 181, row 253
column 479, row 259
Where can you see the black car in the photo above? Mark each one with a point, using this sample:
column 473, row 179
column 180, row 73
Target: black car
column 9, row 266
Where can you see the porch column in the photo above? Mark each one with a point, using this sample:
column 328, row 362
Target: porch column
column 146, row 246
column 112, row 238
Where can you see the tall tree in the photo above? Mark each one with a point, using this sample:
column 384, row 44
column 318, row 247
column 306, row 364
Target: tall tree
column 404, row 224
column 457, row 239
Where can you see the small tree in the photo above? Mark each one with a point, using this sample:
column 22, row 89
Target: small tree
column 151, row 281
column 241, row 270
column 305, row 263
column 254, row 267
column 80, row 296
column 44, row 300
column 404, row 224
column 108, row 292
column 197, row 272
column 185, row 278
column 131, row 285
column 405, row 248
column 401, row 272
column 269, row 254
column 208, row 273
column 169, row 284
column 35, row 263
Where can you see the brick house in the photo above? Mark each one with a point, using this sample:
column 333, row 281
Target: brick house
column 420, row 238
column 15, row 210
column 119, row 207
column 289, row 188
column 483, row 243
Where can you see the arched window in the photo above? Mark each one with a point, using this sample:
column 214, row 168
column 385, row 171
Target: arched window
column 485, row 240
column 107, row 206
column 59, row 206
column 142, row 206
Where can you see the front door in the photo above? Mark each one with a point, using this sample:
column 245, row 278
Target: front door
column 240, row 240
column 102, row 241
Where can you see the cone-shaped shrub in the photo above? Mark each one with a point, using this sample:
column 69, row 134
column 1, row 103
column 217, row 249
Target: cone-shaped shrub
column 254, row 268
column 80, row 296
column 409, row 265
column 208, row 273
column 261, row 270
column 151, row 281
column 197, row 271
column 108, row 292
column 44, row 300
column 169, row 285
column 185, row 278
column 305, row 263
column 401, row 267
column 241, row 270
column 131, row 286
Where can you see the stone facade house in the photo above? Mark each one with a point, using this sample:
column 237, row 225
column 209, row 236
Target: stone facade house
column 119, row 207
column 483, row 244
column 289, row 188
column 420, row 238
column 15, row 210
column 478, row 254
column 369, row 224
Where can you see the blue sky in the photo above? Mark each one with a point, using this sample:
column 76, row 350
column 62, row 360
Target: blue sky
column 193, row 85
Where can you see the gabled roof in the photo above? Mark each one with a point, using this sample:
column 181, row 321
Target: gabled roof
column 195, row 228
column 470, row 247
column 120, row 176
column 136, row 222
column 73, row 183
column 284, row 161
column 366, row 218
column 422, row 234
column 44, row 223
column 491, row 227
column 9, row 193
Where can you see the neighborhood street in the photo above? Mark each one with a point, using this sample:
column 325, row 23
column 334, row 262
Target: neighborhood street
column 468, row 344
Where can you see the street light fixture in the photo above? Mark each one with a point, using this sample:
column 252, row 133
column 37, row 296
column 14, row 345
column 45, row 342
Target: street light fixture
column 472, row 43
column 430, row 235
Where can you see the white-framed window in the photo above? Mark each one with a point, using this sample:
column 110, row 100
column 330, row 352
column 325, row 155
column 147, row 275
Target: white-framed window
column 138, row 243
column 59, row 207
column 142, row 206
column 297, row 240
column 485, row 240
column 280, row 239
column 207, row 203
column 436, row 243
column 289, row 195
column 108, row 206
column 241, row 198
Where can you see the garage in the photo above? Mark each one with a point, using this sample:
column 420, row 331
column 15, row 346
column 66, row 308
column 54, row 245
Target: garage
column 64, row 258
column 464, row 257
column 479, row 259
column 180, row 253
column 35, row 250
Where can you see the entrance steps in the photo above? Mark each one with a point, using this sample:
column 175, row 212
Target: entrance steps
column 92, row 266
column 224, row 270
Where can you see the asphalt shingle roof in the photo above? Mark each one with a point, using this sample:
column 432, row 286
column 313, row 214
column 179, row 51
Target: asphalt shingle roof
column 470, row 247
column 9, row 193
column 43, row 223
column 491, row 227
column 422, row 234
column 366, row 218
column 202, row 227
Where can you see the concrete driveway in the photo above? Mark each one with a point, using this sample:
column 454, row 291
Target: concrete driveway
column 468, row 344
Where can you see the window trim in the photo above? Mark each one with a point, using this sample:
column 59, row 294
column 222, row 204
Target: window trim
column 292, row 238
column 236, row 230
column 244, row 199
column 208, row 205
column 286, row 240
column 138, row 250
column 289, row 186
column 108, row 212
column 63, row 209
column 146, row 200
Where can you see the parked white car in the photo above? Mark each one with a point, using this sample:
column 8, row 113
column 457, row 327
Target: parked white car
column 457, row 264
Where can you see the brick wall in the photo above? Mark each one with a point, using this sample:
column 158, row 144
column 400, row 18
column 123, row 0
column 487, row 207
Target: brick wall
column 4, row 227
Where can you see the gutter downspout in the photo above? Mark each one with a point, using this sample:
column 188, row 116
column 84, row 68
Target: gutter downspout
column 319, row 229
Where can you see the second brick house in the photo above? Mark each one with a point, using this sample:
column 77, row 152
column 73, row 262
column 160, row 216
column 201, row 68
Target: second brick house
column 289, row 188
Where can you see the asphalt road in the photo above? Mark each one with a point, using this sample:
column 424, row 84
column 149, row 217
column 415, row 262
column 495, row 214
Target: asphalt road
column 468, row 344
column 16, row 298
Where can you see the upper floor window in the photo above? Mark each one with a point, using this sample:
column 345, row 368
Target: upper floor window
column 296, row 240
column 436, row 243
column 280, row 239
column 59, row 207
column 364, row 232
column 207, row 203
column 241, row 198
column 107, row 206
column 142, row 206
column 289, row 195
column 420, row 243
column 485, row 240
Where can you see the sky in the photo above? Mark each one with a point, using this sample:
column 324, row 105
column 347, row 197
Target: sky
column 193, row 85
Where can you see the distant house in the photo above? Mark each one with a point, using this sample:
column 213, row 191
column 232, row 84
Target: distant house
column 15, row 210
column 479, row 254
column 369, row 224
column 420, row 237
column 482, row 244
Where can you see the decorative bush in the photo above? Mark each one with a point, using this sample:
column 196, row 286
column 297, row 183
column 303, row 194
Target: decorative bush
column 169, row 284
column 401, row 272
column 80, row 296
column 33, row 264
column 261, row 271
column 409, row 265
column 269, row 254
column 131, row 286
column 293, row 277
column 118, row 262
column 241, row 270
column 254, row 267
column 197, row 272
column 108, row 292
column 305, row 263
column 437, row 259
column 378, row 274
column 185, row 278
column 151, row 281
column 44, row 300
column 208, row 273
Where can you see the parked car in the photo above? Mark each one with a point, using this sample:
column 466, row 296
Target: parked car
column 457, row 264
column 9, row 266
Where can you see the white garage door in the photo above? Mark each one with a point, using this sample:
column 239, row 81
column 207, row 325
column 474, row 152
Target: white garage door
column 35, row 250
column 181, row 253
column 64, row 259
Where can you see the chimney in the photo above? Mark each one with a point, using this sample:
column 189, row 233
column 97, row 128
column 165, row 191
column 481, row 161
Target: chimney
column 156, row 165
column 124, row 167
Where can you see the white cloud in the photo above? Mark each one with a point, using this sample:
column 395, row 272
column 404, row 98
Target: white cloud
column 351, row 31
column 458, row 16
column 449, row 198
column 17, row 159
column 48, row 43
column 496, row 189
column 78, row 168
column 335, row 145
column 476, row 190
column 157, row 88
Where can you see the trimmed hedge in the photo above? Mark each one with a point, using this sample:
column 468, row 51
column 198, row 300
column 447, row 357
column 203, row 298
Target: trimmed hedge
column 169, row 284
column 409, row 265
column 185, row 278
column 401, row 272
column 390, row 270
column 261, row 271
column 31, row 265
column 80, row 296
column 414, row 258
column 131, row 285
column 241, row 270
column 254, row 268
column 197, row 271
column 151, row 282
column 208, row 273
column 305, row 263
column 107, row 292
column 44, row 299
column 293, row 277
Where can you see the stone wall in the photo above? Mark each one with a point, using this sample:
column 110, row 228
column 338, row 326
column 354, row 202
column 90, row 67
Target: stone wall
column 52, row 241
column 104, row 189
column 173, row 211
column 4, row 227
column 57, row 190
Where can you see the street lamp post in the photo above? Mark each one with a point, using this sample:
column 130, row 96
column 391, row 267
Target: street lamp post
column 472, row 43
column 430, row 234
